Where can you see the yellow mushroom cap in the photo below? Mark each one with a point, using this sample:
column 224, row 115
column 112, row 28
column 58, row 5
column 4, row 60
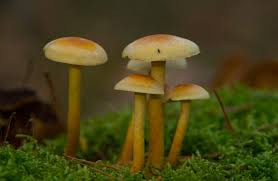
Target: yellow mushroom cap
column 188, row 92
column 75, row 51
column 144, row 67
column 140, row 84
column 160, row 47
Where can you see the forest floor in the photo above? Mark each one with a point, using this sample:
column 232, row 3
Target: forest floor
column 210, row 152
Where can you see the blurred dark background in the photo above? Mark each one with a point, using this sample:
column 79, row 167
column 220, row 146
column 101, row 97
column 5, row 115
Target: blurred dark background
column 221, row 29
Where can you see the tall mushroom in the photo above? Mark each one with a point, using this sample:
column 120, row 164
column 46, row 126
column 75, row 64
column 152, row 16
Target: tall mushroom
column 140, row 85
column 141, row 67
column 184, row 93
column 158, row 49
column 76, row 52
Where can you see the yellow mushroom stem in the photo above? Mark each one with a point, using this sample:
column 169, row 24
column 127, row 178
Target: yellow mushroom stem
column 127, row 150
column 139, row 143
column 156, row 123
column 73, row 124
column 180, row 133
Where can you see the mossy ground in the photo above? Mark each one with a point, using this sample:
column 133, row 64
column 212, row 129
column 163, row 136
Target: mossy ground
column 250, row 153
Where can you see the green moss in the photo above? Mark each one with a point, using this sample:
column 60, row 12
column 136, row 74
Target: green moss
column 250, row 153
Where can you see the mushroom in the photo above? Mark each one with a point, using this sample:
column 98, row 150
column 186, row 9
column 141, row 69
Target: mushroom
column 184, row 93
column 140, row 85
column 158, row 49
column 76, row 52
column 141, row 67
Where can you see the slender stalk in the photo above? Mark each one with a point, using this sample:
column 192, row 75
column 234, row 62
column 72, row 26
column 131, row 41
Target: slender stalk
column 127, row 151
column 138, row 144
column 156, row 123
column 227, row 120
column 9, row 126
column 51, row 88
column 73, row 125
column 180, row 133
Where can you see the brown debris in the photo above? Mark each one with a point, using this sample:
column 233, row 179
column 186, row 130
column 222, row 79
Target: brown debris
column 21, row 112
column 235, row 69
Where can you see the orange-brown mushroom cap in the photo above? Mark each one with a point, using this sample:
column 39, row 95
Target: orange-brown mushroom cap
column 188, row 92
column 160, row 47
column 140, row 84
column 75, row 51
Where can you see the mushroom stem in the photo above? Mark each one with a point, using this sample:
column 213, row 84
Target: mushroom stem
column 138, row 143
column 73, row 125
column 180, row 133
column 127, row 150
column 156, row 123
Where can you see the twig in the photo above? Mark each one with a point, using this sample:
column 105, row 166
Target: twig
column 236, row 109
column 268, row 127
column 83, row 162
column 54, row 101
column 9, row 126
column 228, row 122
column 104, row 165
column 94, row 163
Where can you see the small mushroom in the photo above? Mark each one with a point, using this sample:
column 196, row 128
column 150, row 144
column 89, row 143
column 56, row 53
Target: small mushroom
column 157, row 49
column 140, row 85
column 184, row 93
column 76, row 52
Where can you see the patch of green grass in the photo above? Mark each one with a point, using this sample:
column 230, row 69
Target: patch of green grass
column 250, row 153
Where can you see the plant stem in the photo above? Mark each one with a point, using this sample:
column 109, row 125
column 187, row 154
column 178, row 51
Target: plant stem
column 180, row 133
column 73, row 124
column 139, row 143
column 9, row 126
column 127, row 151
column 156, row 123
column 227, row 120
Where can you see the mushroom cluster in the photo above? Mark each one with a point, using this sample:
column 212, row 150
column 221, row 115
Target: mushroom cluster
column 151, row 56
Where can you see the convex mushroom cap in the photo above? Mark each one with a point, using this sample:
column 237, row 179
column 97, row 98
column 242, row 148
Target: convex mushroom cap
column 188, row 92
column 140, row 84
column 161, row 47
column 75, row 51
